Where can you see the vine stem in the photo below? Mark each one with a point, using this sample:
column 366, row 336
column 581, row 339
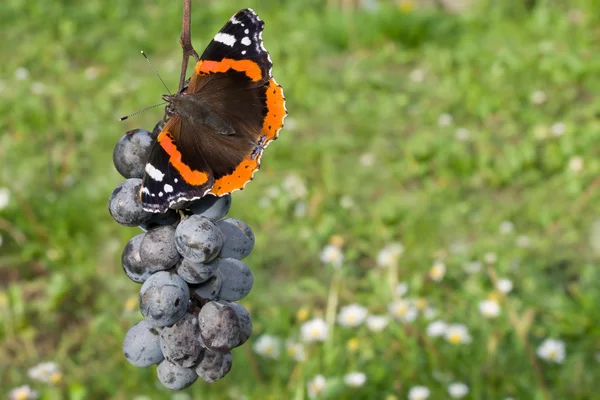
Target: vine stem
column 186, row 41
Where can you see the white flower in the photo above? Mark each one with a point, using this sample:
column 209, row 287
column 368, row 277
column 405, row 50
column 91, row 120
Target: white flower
column 268, row 346
column 4, row 198
column 273, row 191
column 401, row 289
column 429, row 313
column 458, row 390
column 418, row 393
column 552, row 350
column 489, row 308
column 38, row 88
column 558, row 129
column 417, row 75
column 462, row 134
column 352, row 315
column 333, row 255
column 472, row 267
column 437, row 271
column 538, row 97
column 47, row 372
column 367, row 159
column 346, row 202
column 21, row 74
column 316, row 386
column 457, row 333
column 506, row 227
column 576, row 164
column 300, row 209
column 291, row 124
column 388, row 256
column 403, row 311
column 436, row 329
column 296, row 351
column 504, row 285
column 355, row 379
column 377, row 323
column 523, row 241
column 22, row 393
column 264, row 202
column 314, row 330
column 294, row 186
column 445, row 120
column 91, row 73
column 490, row 258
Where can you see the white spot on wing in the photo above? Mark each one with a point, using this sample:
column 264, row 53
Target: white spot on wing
column 175, row 180
column 145, row 190
column 243, row 52
column 246, row 41
column 234, row 21
column 160, row 194
column 225, row 38
column 168, row 188
column 247, row 31
column 154, row 173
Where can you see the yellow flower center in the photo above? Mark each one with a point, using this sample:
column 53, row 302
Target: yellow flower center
column 56, row 377
column 302, row 314
column 455, row 338
column 352, row 344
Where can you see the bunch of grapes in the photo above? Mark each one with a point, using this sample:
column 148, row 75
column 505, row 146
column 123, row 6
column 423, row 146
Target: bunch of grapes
column 188, row 262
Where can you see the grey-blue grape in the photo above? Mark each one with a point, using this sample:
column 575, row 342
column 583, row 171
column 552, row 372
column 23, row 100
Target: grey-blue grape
column 232, row 281
column 158, row 219
column 141, row 345
column 175, row 377
column 125, row 204
column 198, row 239
column 131, row 153
column 164, row 298
column 224, row 326
column 157, row 250
column 239, row 238
column 192, row 272
column 212, row 207
column 180, row 343
column 132, row 263
column 214, row 366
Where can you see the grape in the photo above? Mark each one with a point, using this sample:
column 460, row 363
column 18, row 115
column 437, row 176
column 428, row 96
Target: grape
column 198, row 239
column 212, row 207
column 132, row 263
column 214, row 366
column 192, row 272
column 142, row 345
column 158, row 251
column 232, row 281
column 239, row 238
column 174, row 377
column 157, row 219
column 131, row 153
column 224, row 326
column 164, row 298
column 125, row 204
column 180, row 343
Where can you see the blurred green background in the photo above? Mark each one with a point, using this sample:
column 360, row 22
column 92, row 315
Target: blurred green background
column 467, row 134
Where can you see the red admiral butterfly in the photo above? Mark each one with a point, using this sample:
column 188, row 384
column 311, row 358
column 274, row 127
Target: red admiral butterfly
column 220, row 125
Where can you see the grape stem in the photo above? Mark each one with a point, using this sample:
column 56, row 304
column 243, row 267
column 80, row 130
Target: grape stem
column 186, row 41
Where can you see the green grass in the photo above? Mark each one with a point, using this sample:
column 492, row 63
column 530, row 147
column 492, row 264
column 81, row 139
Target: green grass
column 63, row 296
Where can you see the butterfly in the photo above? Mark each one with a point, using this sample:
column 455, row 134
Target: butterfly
column 219, row 126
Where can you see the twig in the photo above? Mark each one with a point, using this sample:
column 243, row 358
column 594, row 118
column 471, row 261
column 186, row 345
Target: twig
column 186, row 41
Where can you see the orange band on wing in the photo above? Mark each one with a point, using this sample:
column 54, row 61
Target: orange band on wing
column 192, row 177
column 238, row 178
column 250, row 68
column 276, row 111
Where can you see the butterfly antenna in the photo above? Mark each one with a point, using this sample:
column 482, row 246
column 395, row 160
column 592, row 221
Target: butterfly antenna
column 141, row 111
column 156, row 72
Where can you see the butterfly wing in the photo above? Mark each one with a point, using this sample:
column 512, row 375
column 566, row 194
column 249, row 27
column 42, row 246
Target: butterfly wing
column 234, row 73
column 170, row 178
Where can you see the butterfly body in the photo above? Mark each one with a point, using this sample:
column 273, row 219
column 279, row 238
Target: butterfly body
column 220, row 125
